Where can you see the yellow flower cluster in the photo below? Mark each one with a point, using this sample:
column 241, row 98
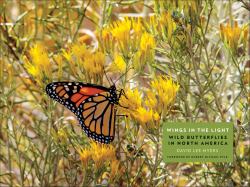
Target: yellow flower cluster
column 146, row 52
column 147, row 110
column 234, row 35
column 82, row 61
column 133, row 100
column 74, row 55
column 39, row 66
column 124, row 34
column 144, row 115
column 127, row 39
column 100, row 154
column 94, row 65
column 165, row 89
column 119, row 65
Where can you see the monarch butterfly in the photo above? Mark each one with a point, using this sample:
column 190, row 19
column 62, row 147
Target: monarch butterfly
column 93, row 105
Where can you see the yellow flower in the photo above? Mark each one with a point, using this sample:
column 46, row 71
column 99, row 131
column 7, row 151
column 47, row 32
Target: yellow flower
column 147, row 42
column 156, row 116
column 79, row 50
column 67, row 54
column 40, row 58
column 119, row 65
column 81, row 59
column 143, row 115
column 231, row 35
column 94, row 64
column 83, row 62
column 133, row 100
column 152, row 24
column 126, row 34
column 39, row 67
column 32, row 70
column 162, row 26
column 102, row 153
column 151, row 100
column 171, row 25
column 146, row 52
column 80, row 54
column 137, row 26
column 106, row 41
column 166, row 26
column 147, row 118
column 165, row 89
column 85, row 156
column 121, row 30
column 97, row 152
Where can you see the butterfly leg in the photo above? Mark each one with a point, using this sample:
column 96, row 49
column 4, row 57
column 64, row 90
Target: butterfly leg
column 122, row 115
column 122, row 92
column 122, row 106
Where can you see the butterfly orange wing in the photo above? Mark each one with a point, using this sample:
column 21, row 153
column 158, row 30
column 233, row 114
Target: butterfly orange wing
column 91, row 104
column 97, row 117
column 71, row 94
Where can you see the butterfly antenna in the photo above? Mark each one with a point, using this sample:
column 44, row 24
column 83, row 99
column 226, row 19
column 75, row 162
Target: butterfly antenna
column 107, row 77
column 123, row 75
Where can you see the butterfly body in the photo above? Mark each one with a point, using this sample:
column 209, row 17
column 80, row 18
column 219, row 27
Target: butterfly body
column 93, row 105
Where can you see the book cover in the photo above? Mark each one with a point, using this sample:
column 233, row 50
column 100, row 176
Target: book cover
column 124, row 93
